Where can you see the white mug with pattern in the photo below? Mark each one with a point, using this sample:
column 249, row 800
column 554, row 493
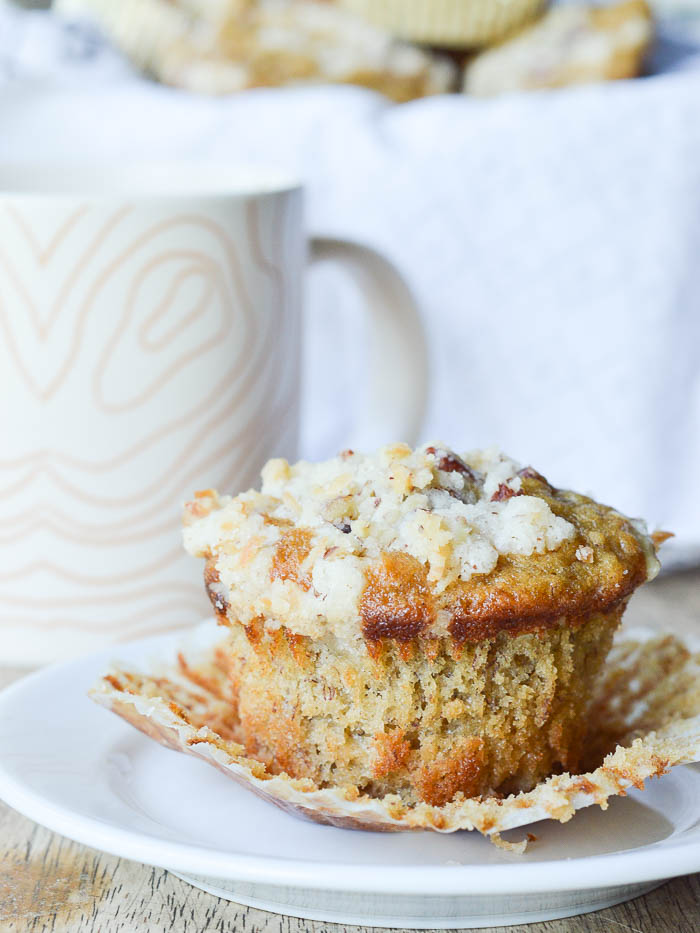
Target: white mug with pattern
column 150, row 320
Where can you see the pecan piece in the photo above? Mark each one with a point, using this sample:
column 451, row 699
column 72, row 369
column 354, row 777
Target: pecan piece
column 504, row 492
column 658, row 537
column 215, row 589
column 449, row 462
column 529, row 473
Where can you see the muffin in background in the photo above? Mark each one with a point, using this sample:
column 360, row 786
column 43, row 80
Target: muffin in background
column 416, row 622
column 289, row 41
column 223, row 46
column 572, row 44
column 454, row 24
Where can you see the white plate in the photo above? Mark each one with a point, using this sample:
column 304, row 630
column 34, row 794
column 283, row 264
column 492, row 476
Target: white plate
column 85, row 773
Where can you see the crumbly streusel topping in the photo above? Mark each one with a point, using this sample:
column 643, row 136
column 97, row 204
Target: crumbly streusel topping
column 430, row 503
column 455, row 514
column 298, row 548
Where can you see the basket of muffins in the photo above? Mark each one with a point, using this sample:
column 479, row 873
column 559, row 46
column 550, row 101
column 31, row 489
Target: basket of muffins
column 419, row 639
column 404, row 49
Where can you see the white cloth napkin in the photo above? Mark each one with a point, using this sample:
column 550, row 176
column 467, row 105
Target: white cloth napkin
column 552, row 240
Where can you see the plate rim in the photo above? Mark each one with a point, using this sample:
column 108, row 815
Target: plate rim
column 575, row 873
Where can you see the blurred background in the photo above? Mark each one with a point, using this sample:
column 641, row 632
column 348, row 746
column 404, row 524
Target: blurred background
column 532, row 169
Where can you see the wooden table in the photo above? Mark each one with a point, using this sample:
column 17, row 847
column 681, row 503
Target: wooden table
column 50, row 884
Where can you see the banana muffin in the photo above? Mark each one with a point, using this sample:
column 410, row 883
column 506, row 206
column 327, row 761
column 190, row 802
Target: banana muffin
column 452, row 24
column 418, row 622
column 573, row 43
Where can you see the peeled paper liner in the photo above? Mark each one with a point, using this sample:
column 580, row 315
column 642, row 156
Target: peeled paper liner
column 644, row 719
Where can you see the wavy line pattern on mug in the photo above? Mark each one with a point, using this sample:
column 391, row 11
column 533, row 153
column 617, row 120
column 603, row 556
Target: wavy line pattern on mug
column 102, row 466
column 177, row 364
column 121, row 595
column 42, row 329
column 170, row 470
column 131, row 624
column 65, row 524
column 224, row 433
column 43, row 255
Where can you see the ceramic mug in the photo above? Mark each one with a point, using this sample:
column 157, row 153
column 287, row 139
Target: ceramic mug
column 150, row 346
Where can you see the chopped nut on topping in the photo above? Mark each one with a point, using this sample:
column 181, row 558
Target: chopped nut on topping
column 401, row 480
column 584, row 554
column 328, row 691
column 340, row 510
column 658, row 537
column 529, row 473
column 449, row 462
column 204, row 502
column 504, row 492
column 276, row 470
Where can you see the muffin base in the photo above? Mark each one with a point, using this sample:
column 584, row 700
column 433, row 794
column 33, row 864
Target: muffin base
column 648, row 698
column 425, row 719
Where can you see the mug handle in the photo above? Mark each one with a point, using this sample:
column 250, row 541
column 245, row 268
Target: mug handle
column 398, row 355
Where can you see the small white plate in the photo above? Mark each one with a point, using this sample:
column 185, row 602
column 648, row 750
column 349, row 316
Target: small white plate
column 85, row 773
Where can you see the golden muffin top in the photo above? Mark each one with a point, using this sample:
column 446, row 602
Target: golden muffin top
column 413, row 543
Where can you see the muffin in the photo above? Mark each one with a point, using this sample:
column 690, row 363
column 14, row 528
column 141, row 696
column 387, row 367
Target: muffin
column 571, row 44
column 644, row 719
column 448, row 23
column 220, row 48
column 416, row 623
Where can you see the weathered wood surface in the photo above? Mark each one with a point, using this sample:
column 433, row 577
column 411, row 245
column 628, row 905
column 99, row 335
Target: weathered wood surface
column 50, row 884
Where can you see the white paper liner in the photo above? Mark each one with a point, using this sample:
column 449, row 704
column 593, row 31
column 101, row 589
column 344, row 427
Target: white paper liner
column 647, row 710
